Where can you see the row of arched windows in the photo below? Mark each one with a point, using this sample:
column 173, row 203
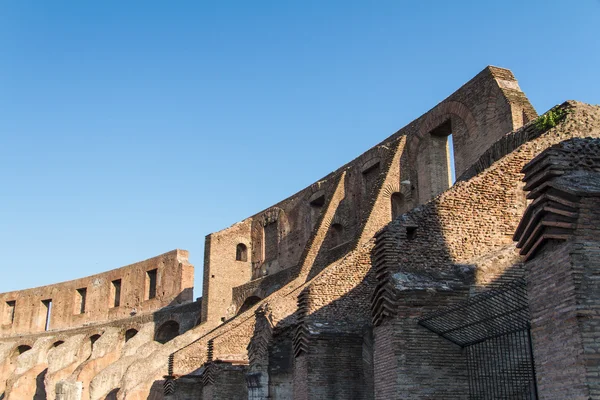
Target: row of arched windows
column 166, row 332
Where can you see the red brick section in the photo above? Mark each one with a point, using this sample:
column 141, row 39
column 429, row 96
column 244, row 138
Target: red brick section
column 330, row 325
column 481, row 111
column 456, row 233
column 175, row 277
column 470, row 224
column 560, row 234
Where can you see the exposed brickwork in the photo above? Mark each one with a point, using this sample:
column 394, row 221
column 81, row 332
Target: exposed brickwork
column 560, row 235
column 174, row 286
column 342, row 270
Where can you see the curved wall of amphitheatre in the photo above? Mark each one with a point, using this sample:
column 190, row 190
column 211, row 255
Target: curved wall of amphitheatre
column 139, row 288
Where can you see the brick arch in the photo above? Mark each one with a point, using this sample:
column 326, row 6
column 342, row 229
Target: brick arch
column 432, row 120
column 438, row 116
column 391, row 188
column 249, row 302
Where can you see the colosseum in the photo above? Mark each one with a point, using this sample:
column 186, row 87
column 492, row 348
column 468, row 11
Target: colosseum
column 457, row 259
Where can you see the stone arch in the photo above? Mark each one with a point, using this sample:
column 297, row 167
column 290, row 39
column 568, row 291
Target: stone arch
column 167, row 332
column 249, row 303
column 130, row 333
column 22, row 348
column 454, row 118
column 317, row 198
column 18, row 350
column 94, row 338
column 392, row 192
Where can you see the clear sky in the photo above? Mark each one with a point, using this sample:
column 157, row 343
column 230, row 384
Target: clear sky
column 131, row 128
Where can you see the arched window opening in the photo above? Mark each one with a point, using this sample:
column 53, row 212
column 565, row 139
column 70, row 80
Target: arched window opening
column 398, row 205
column 57, row 343
column 248, row 303
column 130, row 333
column 18, row 351
column 166, row 332
column 442, row 158
column 241, row 252
column 337, row 234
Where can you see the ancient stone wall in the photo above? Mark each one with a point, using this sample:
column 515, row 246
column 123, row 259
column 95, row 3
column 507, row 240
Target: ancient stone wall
column 405, row 170
column 139, row 288
column 435, row 248
column 312, row 299
column 560, row 238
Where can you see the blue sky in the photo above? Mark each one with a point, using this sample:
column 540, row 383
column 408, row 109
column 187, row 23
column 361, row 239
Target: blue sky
column 128, row 129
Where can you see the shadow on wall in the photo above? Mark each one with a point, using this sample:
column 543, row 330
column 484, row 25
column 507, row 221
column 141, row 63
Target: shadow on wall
column 40, row 387
column 418, row 279
column 174, row 319
column 112, row 395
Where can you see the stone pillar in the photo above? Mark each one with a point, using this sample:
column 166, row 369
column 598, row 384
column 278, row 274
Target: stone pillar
column 559, row 235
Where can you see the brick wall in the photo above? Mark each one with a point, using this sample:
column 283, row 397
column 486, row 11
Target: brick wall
column 174, row 286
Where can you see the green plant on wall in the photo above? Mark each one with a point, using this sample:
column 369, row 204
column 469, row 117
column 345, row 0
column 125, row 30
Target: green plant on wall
column 551, row 118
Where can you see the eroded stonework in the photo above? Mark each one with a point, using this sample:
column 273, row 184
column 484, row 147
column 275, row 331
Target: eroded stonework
column 320, row 296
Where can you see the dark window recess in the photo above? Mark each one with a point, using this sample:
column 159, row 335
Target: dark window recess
column 398, row 204
column 411, row 232
column 370, row 174
column 241, row 252
column 10, row 313
column 152, row 274
column 93, row 340
column 271, row 242
column 81, row 298
column 318, row 202
column 130, row 334
column 23, row 348
column 58, row 343
column 116, row 292
column 167, row 331
column 248, row 303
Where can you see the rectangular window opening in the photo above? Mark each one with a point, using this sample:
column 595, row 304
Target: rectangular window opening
column 47, row 309
column 116, row 293
column 411, row 232
column 152, row 283
column 271, row 241
column 451, row 163
column 10, row 312
column 442, row 164
column 81, row 298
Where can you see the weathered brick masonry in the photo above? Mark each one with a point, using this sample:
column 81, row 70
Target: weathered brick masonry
column 320, row 295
